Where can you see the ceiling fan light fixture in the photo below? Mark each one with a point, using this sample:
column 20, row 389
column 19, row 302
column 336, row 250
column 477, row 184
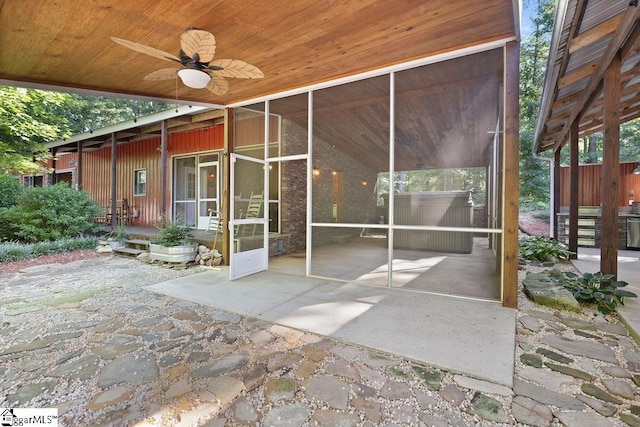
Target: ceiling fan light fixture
column 194, row 78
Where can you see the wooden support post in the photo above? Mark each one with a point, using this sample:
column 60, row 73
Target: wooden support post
column 510, row 177
column 54, row 176
column 556, row 191
column 79, row 170
column 227, row 192
column 164, row 138
column 573, row 189
column 114, row 179
column 610, row 169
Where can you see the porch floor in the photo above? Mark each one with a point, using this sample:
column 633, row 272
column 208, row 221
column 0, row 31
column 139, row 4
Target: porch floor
column 473, row 337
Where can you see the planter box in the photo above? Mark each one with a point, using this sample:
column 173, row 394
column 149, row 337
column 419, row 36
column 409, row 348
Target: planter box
column 184, row 253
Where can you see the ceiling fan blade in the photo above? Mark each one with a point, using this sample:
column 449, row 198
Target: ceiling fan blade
column 162, row 74
column 218, row 85
column 198, row 41
column 151, row 51
column 235, row 68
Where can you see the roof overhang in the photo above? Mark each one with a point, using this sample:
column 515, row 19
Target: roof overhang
column 587, row 35
column 66, row 45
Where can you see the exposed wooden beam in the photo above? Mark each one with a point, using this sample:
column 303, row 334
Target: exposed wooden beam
column 573, row 190
column 578, row 74
column 617, row 42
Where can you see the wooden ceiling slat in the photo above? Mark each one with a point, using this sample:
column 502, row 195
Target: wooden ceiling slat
column 594, row 34
column 67, row 43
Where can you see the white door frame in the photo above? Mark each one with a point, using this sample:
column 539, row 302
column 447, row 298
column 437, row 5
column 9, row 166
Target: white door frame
column 202, row 221
column 243, row 263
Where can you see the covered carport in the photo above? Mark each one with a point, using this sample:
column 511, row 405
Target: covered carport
column 591, row 86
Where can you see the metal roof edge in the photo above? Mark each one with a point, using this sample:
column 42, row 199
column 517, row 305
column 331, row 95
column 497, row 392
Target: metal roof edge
column 136, row 122
column 552, row 72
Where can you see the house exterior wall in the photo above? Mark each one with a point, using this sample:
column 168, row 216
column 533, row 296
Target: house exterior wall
column 144, row 154
column 590, row 187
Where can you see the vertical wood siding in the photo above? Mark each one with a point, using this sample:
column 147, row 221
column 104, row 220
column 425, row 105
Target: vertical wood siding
column 140, row 155
column 590, row 185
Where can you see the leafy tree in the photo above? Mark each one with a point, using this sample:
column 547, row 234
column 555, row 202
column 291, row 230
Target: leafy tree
column 28, row 119
column 9, row 190
column 534, row 173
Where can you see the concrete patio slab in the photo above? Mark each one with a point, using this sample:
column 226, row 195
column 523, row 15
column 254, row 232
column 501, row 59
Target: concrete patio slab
column 473, row 337
column 628, row 270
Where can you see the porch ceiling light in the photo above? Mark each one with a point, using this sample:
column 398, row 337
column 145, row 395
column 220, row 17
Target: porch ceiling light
column 194, row 78
column 636, row 171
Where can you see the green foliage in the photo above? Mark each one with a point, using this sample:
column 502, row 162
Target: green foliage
column 10, row 189
column 31, row 117
column 172, row 233
column 542, row 249
column 598, row 289
column 534, row 51
column 28, row 119
column 52, row 213
column 14, row 251
column 120, row 233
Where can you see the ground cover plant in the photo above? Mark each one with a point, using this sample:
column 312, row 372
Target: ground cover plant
column 542, row 249
column 599, row 289
column 15, row 251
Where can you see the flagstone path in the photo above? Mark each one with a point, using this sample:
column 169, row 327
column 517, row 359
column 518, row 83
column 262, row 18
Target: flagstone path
column 87, row 338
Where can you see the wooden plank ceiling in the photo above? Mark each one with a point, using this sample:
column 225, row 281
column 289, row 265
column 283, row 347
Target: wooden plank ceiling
column 66, row 43
column 441, row 111
column 587, row 35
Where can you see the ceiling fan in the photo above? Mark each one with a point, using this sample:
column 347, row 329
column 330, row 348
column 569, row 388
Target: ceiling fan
column 199, row 71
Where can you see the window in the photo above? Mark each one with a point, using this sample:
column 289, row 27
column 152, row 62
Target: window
column 140, row 182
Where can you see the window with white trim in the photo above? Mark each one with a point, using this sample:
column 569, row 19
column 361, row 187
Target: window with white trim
column 140, row 182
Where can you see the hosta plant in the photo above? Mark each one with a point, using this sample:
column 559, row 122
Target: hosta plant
column 599, row 289
column 542, row 249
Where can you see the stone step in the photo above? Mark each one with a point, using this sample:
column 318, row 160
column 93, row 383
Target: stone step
column 137, row 243
column 128, row 251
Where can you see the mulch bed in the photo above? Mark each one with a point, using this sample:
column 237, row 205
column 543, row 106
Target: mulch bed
column 16, row 266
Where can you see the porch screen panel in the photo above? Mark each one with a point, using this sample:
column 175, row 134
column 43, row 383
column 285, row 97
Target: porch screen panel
column 350, row 149
column 249, row 131
column 444, row 186
column 341, row 255
column 351, row 134
column 288, row 126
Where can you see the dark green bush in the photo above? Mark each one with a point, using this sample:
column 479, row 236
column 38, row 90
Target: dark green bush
column 14, row 251
column 542, row 249
column 599, row 289
column 52, row 213
column 10, row 189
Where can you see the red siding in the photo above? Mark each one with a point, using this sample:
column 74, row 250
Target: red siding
column 140, row 155
column 590, row 185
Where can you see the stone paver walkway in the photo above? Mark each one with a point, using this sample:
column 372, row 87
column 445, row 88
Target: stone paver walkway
column 88, row 339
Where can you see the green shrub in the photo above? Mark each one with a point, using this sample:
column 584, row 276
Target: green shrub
column 7, row 229
column 598, row 289
column 14, row 251
column 542, row 249
column 52, row 213
column 10, row 189
column 172, row 233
